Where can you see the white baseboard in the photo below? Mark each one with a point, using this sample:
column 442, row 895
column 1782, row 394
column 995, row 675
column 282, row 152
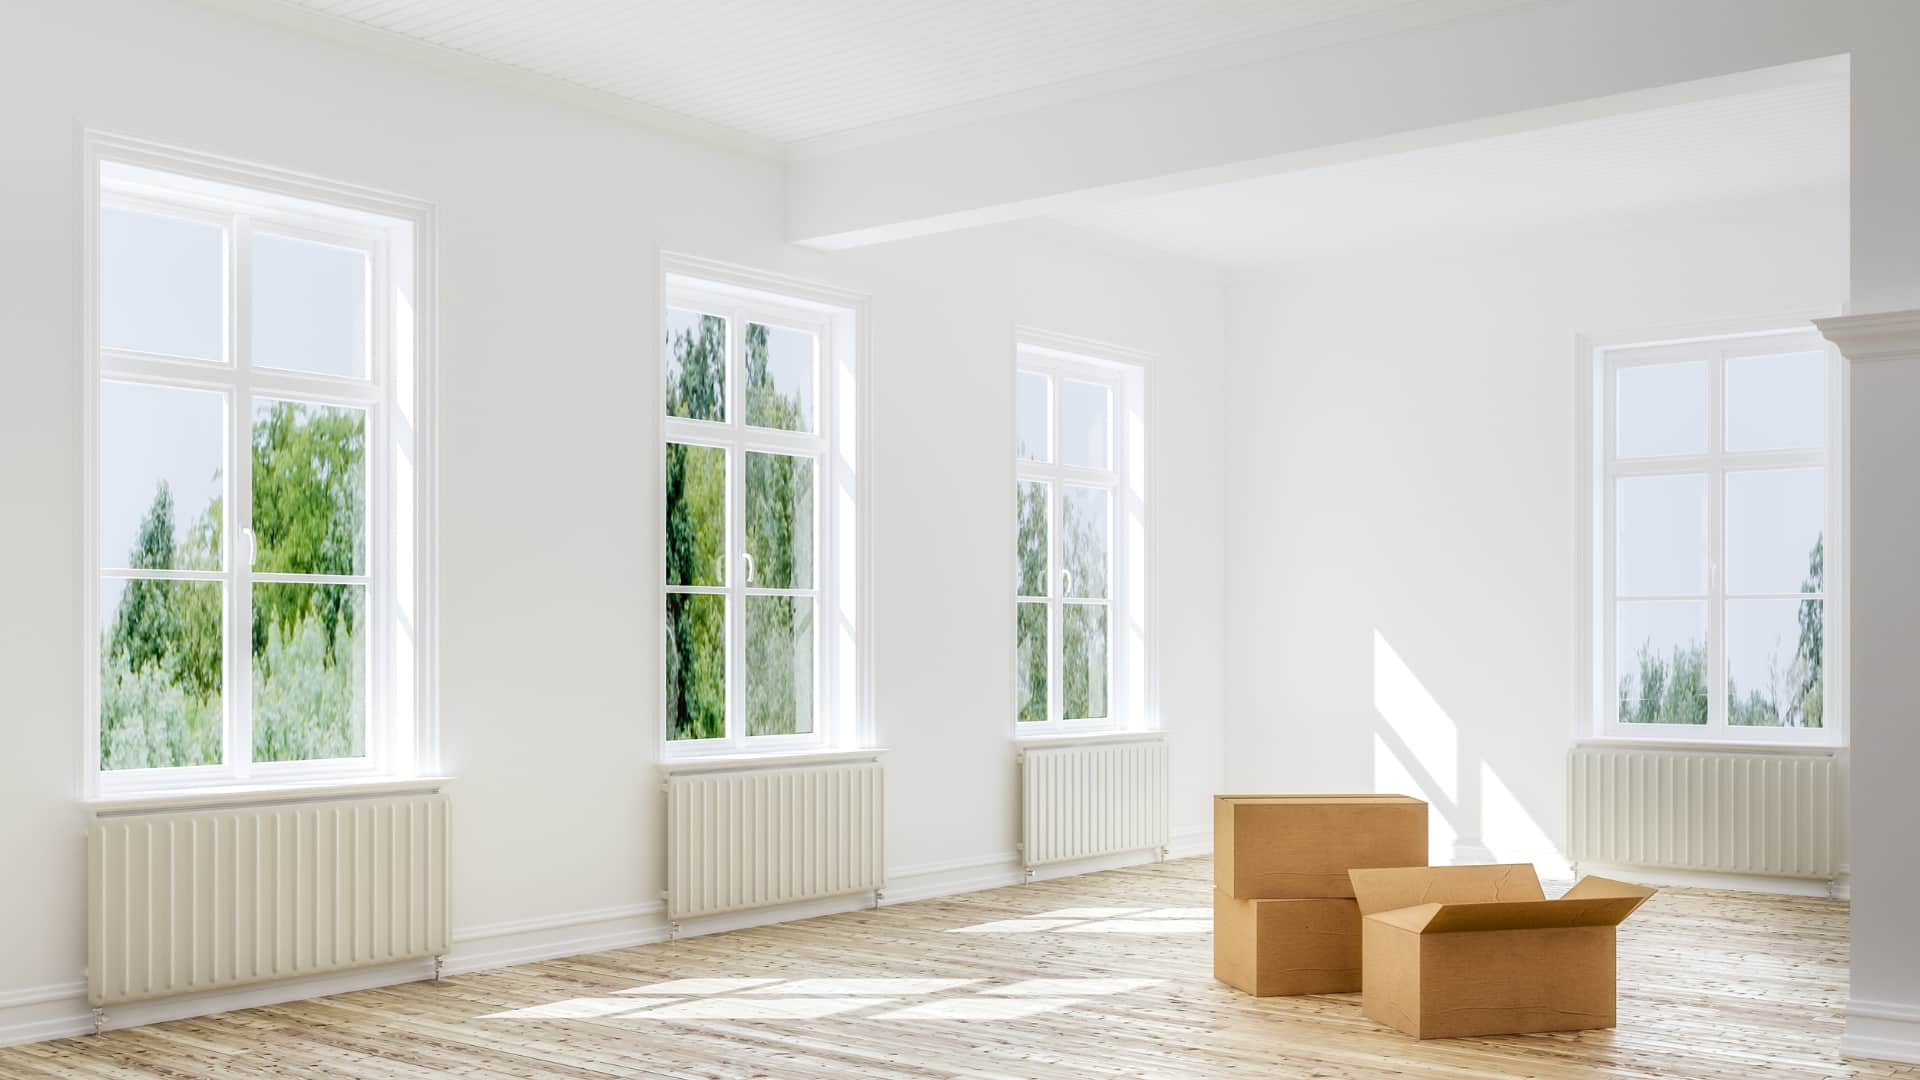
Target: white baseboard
column 1706, row 879
column 44, row 1012
column 1883, row 1030
column 1191, row 842
column 58, row 1011
column 498, row 945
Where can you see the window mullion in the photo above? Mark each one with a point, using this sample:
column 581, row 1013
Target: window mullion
column 1056, row 622
column 241, row 543
column 735, row 578
column 1717, row 662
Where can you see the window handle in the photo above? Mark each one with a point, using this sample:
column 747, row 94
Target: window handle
column 1066, row 583
column 253, row 547
column 720, row 568
column 749, row 557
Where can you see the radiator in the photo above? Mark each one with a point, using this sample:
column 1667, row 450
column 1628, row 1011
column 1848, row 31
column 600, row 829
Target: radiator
column 1778, row 815
column 189, row 901
column 759, row 837
column 1093, row 799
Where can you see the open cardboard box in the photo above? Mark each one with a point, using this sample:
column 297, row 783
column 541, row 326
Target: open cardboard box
column 1448, row 951
column 1273, row 847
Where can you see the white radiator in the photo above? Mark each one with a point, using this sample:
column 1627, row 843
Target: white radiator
column 1778, row 815
column 759, row 837
column 188, row 901
column 1079, row 801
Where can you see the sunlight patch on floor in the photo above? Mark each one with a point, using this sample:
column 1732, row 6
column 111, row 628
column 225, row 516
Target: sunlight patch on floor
column 1100, row 920
column 817, row 998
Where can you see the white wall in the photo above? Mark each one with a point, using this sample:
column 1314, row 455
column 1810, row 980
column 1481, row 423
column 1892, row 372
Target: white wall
column 1401, row 543
column 551, row 222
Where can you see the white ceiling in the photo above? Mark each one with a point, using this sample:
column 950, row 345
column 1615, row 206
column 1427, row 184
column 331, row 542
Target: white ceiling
column 784, row 71
column 1751, row 144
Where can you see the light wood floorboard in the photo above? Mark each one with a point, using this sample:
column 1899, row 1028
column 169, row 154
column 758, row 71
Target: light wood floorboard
column 1713, row 985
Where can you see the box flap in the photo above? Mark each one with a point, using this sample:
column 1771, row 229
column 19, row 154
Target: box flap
column 1597, row 887
column 1400, row 887
column 1530, row 914
column 1413, row 918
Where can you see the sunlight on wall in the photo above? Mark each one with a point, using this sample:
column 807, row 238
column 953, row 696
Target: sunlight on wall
column 1423, row 728
column 1510, row 832
column 1392, row 778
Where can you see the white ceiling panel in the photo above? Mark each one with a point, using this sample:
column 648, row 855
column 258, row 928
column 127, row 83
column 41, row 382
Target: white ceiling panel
column 784, row 71
column 1747, row 145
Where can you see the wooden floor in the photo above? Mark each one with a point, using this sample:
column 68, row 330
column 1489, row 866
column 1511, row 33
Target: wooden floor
column 1107, row 975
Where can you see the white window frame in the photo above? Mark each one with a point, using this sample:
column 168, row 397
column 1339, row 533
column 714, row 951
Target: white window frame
column 1131, row 683
column 1601, row 358
column 402, row 733
column 842, row 695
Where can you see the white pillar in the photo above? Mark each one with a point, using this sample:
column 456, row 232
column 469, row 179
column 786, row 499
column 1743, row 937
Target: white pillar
column 1881, row 340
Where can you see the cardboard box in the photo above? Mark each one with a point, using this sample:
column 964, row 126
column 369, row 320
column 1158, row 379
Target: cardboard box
column 1270, row 847
column 1271, row 948
column 1448, row 951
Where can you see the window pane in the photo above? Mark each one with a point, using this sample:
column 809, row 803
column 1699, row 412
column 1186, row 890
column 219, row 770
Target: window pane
column 1030, row 508
column 1083, row 661
column 1660, row 662
column 1661, row 410
column 163, row 285
column 1660, row 532
column 1030, row 661
column 780, row 521
column 1083, row 425
column 1033, row 415
column 696, row 365
column 1776, row 523
column 696, row 515
column 160, row 673
column 162, row 452
column 309, row 672
column 1774, row 663
column 696, row 666
column 309, row 488
column 779, row 665
column 780, row 377
column 309, row 306
column 1083, row 540
column 1777, row 402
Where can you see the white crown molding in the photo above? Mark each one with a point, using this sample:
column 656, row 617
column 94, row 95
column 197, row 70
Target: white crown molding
column 407, row 50
column 1875, row 337
column 1400, row 18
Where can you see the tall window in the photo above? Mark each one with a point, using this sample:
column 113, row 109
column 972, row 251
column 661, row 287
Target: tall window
column 756, row 521
column 1078, row 544
column 1716, row 514
column 258, row 614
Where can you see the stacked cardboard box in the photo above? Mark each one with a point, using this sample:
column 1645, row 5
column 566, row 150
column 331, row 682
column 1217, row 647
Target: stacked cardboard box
column 1284, row 916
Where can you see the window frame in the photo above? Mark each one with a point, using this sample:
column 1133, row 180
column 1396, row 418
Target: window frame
column 841, row 713
column 1130, row 682
column 1600, row 469
column 396, row 396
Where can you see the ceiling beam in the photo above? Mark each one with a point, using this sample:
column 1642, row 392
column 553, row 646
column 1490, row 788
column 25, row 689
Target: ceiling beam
column 1515, row 68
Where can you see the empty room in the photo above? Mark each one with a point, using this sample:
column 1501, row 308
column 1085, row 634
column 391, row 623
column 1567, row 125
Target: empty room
column 576, row 539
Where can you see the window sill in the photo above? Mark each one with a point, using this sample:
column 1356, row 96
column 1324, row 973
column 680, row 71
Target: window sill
column 1086, row 738
column 1716, row 745
column 262, row 794
column 778, row 759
